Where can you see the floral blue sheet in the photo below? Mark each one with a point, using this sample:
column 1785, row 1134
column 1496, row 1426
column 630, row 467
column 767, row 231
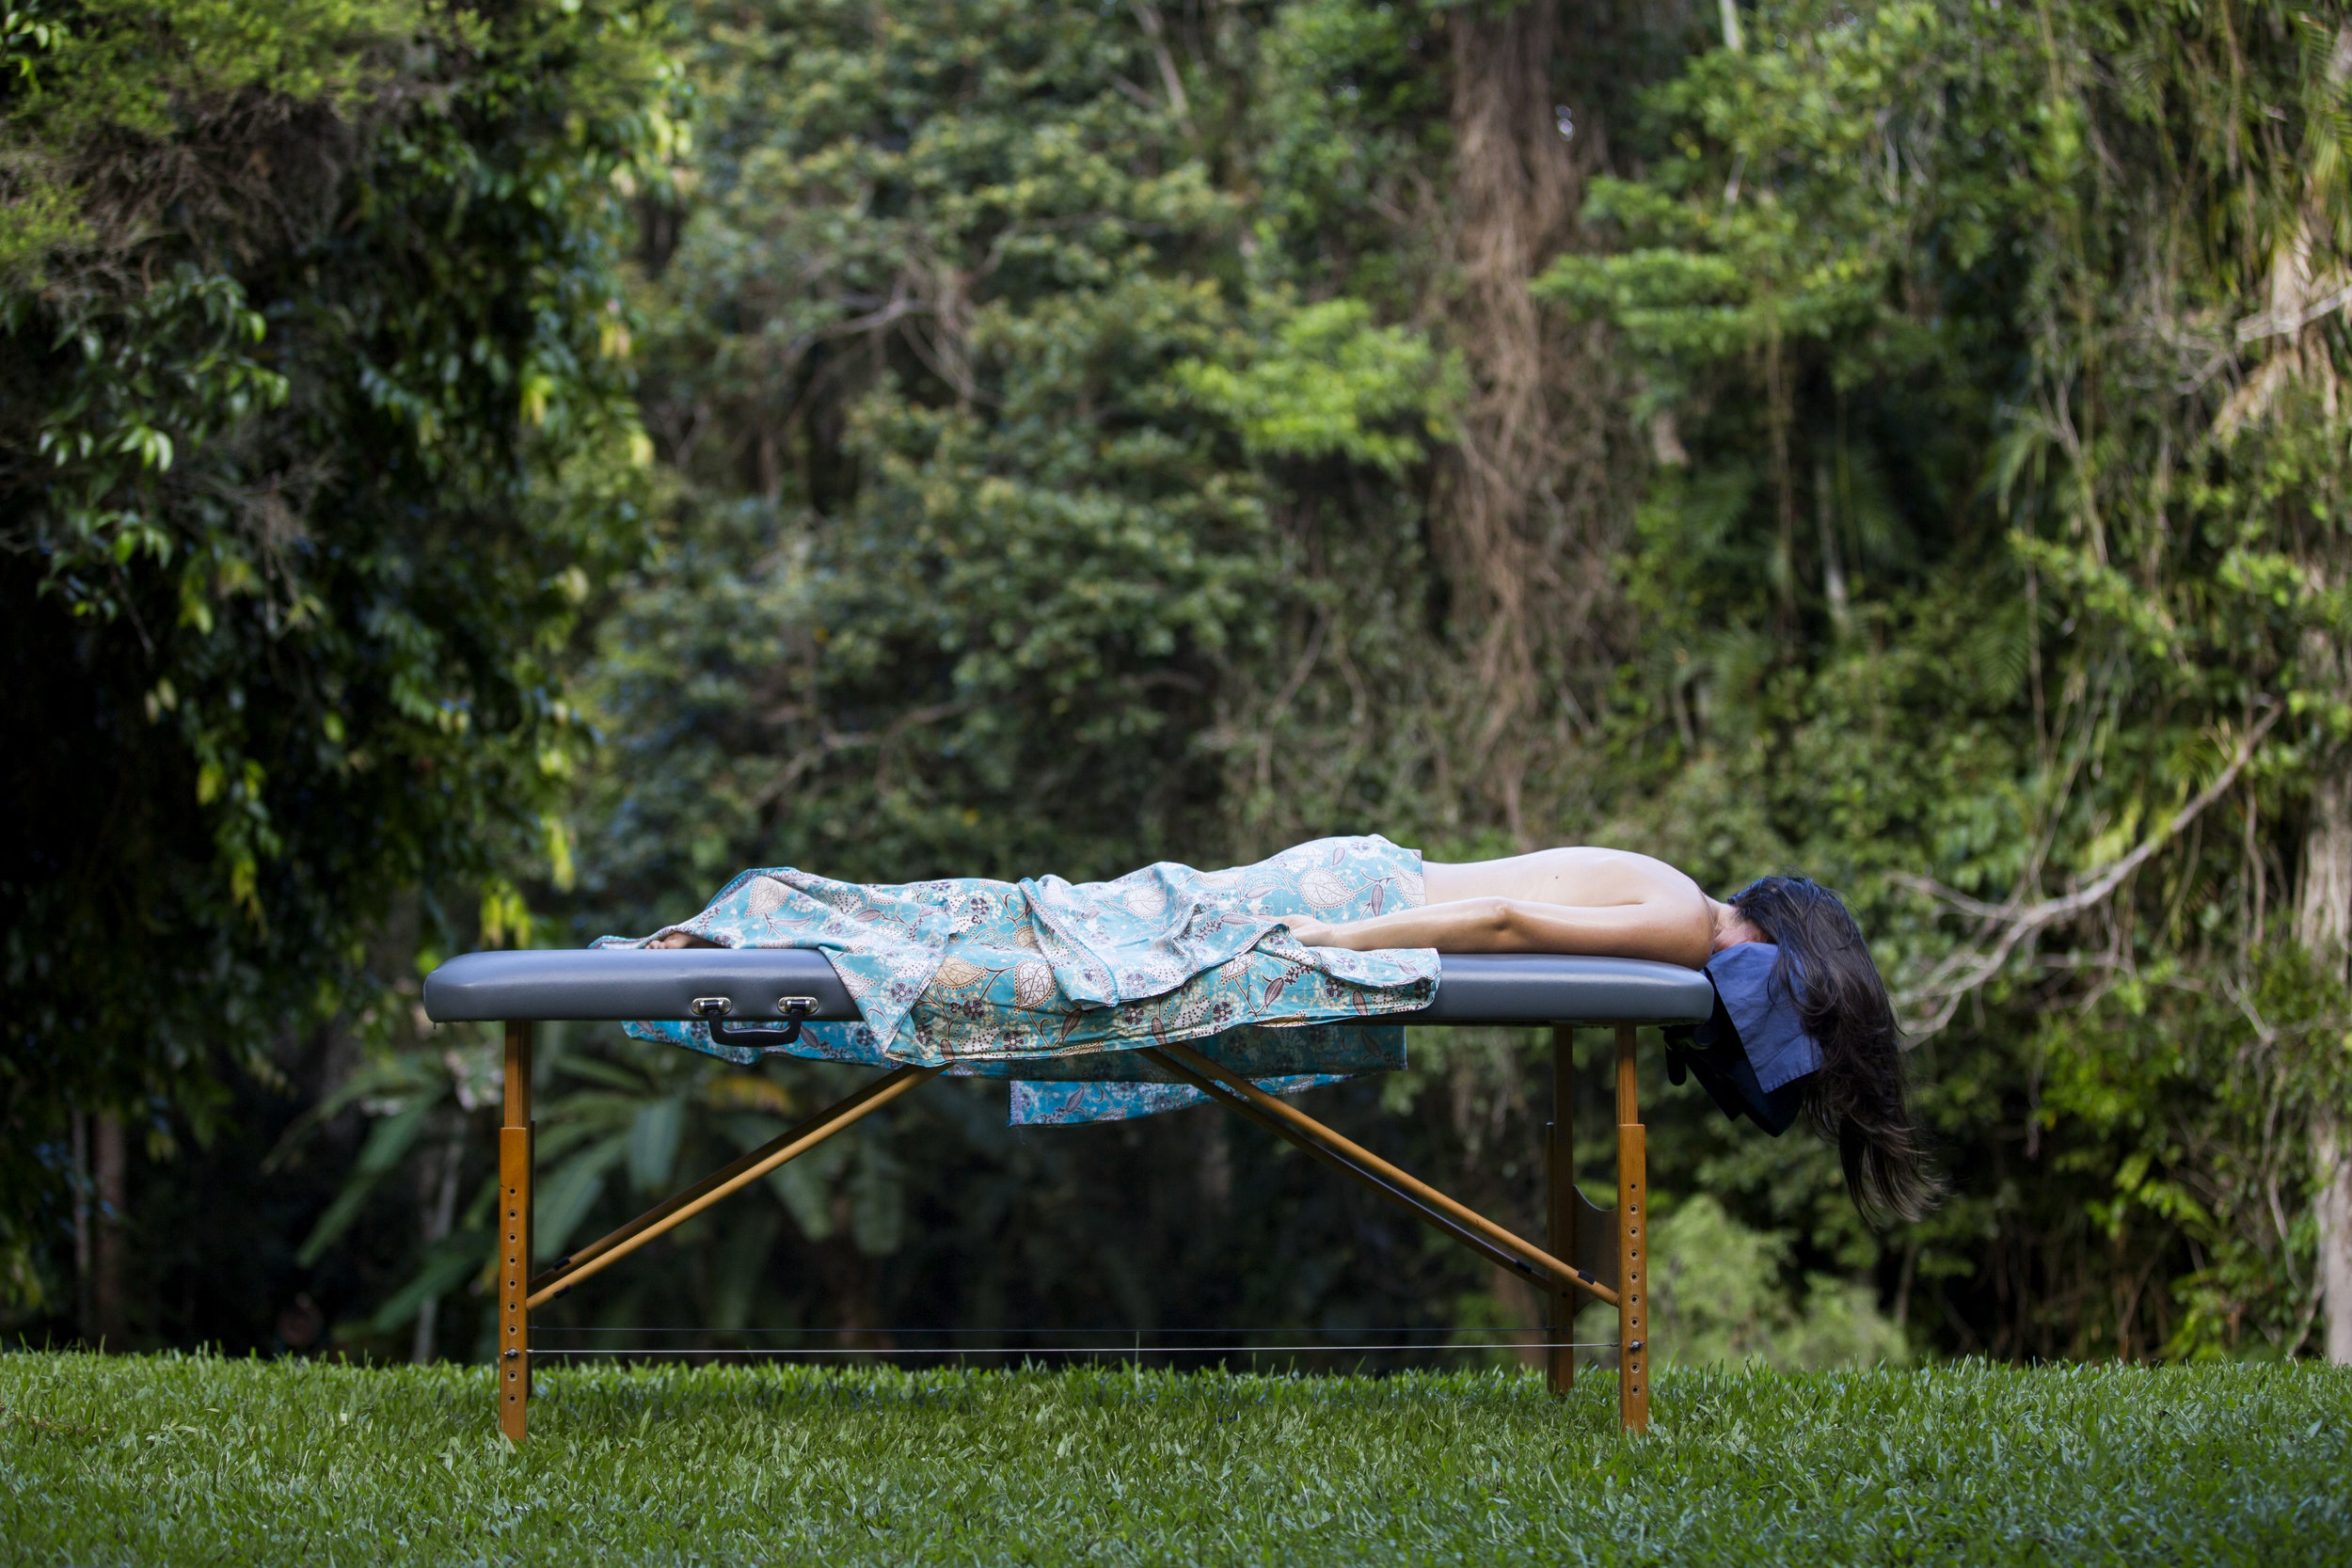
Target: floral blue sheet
column 1055, row 984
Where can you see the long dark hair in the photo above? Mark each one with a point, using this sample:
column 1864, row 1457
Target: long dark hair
column 1856, row 1099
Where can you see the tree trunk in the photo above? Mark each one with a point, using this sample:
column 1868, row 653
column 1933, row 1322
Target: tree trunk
column 2334, row 1213
column 1525, row 520
column 2324, row 924
column 85, row 1315
column 109, row 1314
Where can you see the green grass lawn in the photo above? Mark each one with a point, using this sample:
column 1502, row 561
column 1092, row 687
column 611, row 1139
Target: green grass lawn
column 199, row 1459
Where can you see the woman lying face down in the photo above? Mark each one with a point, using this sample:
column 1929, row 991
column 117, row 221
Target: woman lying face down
column 1820, row 989
column 1803, row 1027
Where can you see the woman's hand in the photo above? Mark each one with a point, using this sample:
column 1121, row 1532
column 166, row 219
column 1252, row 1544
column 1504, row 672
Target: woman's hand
column 1310, row 932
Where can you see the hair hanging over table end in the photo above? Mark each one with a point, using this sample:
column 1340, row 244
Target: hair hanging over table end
column 1857, row 1098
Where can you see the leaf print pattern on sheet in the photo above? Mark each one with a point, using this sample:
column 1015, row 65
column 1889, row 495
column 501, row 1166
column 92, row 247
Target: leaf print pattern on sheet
column 1004, row 978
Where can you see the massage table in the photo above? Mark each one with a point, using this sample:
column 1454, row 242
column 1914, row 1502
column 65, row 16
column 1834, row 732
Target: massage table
column 1589, row 1251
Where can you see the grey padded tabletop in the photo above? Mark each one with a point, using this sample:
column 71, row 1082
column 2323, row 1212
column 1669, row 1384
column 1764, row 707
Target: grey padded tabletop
column 638, row 983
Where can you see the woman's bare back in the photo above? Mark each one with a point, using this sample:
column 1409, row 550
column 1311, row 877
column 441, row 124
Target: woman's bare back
column 1579, row 875
column 1581, row 898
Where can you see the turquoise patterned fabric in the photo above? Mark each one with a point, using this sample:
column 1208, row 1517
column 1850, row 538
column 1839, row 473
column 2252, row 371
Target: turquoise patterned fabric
column 1055, row 984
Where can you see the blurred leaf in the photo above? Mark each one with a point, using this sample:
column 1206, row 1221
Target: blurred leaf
column 565, row 1196
column 653, row 1139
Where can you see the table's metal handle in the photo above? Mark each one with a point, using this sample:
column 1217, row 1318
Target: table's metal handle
column 794, row 1009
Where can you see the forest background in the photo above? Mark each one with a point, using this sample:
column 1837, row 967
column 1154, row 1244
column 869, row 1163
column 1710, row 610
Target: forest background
column 480, row 475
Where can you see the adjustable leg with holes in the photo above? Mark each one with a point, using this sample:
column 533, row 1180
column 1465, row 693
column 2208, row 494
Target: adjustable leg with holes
column 1632, row 1245
column 514, row 1238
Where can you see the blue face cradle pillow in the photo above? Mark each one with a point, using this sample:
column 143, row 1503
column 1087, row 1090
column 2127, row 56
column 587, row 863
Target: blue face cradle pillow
column 1754, row 1055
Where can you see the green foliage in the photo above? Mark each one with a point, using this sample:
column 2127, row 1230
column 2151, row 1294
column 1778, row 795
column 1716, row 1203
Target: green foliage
column 2190, row 1100
column 953, row 559
column 1973, row 622
column 206, row 1460
column 1351, row 117
column 1054, row 471
column 1327, row 381
column 1071, row 425
column 88, row 81
column 1719, row 1297
column 977, row 444
column 317, row 408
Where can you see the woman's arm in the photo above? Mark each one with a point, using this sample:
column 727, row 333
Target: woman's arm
column 1671, row 931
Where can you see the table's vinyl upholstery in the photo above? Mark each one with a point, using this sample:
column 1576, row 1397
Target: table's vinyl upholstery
column 1556, row 988
column 636, row 983
column 631, row 983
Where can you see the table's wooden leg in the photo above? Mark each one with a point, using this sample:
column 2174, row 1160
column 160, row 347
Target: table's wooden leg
column 513, row 1233
column 1632, row 1246
column 1560, row 1360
